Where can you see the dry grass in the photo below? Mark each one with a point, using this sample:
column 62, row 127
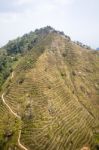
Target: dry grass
column 55, row 94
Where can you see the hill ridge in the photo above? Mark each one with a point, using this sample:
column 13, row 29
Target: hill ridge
column 55, row 91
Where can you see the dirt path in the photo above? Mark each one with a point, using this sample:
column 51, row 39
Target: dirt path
column 12, row 75
column 23, row 147
column 17, row 116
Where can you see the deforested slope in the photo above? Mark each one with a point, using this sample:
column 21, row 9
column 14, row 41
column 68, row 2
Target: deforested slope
column 55, row 89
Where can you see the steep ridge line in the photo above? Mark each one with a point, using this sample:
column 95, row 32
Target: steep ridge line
column 17, row 116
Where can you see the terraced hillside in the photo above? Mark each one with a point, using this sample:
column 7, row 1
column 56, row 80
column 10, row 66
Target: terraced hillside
column 9, row 128
column 55, row 90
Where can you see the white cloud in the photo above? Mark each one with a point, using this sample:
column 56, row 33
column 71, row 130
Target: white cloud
column 22, row 2
column 8, row 17
column 64, row 2
column 72, row 16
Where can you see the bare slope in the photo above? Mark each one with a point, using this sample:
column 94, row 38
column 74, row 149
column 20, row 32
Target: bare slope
column 55, row 91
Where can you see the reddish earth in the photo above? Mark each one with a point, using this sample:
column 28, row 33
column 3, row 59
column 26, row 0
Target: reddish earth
column 85, row 148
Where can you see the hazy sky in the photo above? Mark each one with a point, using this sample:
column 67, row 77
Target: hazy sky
column 77, row 18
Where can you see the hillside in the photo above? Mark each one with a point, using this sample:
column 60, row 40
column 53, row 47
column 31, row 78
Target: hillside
column 54, row 89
